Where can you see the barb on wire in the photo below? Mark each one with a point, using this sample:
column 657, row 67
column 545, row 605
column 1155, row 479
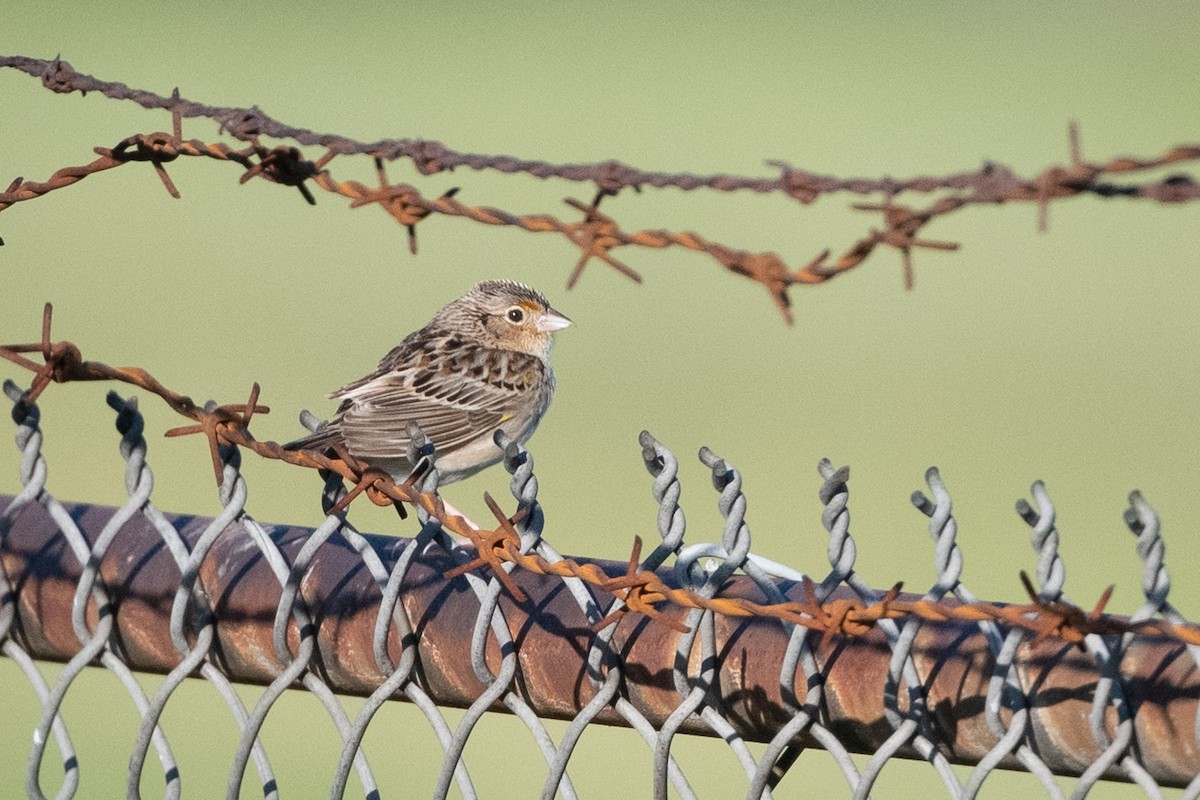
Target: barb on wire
column 597, row 235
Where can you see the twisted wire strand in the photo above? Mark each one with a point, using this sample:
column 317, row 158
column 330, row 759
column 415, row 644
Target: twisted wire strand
column 393, row 616
column 663, row 467
column 1144, row 523
column 835, row 517
column 233, row 494
column 1004, row 685
column 783, row 750
column 915, row 727
column 694, row 690
column 190, row 596
column 498, row 685
column 523, row 486
column 95, row 644
column 139, row 484
column 32, row 473
column 1109, row 690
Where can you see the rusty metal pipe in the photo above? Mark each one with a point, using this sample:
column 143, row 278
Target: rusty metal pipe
column 552, row 638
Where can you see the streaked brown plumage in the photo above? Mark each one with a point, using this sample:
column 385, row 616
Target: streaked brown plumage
column 481, row 364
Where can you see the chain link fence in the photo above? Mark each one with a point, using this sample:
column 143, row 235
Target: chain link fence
column 334, row 611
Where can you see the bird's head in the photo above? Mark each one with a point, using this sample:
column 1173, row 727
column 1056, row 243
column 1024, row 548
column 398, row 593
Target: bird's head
column 505, row 315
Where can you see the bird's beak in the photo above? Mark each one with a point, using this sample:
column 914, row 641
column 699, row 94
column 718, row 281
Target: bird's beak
column 552, row 321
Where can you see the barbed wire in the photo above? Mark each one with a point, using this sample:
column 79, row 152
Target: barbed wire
column 640, row 590
column 596, row 235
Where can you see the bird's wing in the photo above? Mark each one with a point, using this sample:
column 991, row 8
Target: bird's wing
column 452, row 409
column 406, row 355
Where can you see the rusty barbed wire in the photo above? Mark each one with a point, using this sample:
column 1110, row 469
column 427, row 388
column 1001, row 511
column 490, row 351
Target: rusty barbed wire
column 597, row 234
column 640, row 591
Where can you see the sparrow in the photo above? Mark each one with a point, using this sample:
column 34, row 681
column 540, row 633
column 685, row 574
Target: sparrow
column 482, row 364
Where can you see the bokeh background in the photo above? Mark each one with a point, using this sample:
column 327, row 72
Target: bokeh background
column 1069, row 356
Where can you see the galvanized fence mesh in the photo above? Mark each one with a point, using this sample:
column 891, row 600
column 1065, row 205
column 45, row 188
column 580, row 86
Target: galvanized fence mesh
column 1045, row 688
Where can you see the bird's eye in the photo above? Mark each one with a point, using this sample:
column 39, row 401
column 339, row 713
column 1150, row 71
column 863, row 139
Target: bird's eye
column 515, row 315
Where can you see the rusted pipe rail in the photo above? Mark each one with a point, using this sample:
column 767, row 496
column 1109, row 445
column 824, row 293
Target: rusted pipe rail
column 552, row 638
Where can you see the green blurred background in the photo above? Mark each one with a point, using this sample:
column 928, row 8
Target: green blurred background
column 1068, row 357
